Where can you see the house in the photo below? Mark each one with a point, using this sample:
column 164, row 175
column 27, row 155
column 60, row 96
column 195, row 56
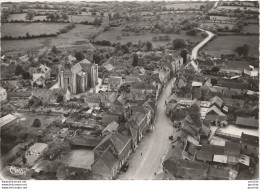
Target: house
column 107, row 98
column 114, row 83
column 119, row 110
column 79, row 77
column 3, row 94
column 110, row 128
column 249, row 145
column 129, row 80
column 141, row 90
column 247, row 122
column 71, row 58
column 108, row 118
column 130, row 130
column 192, row 169
column 8, row 121
column 111, row 154
column 217, row 174
column 252, row 72
column 34, row 153
column 85, row 141
column 41, row 71
column 215, row 116
column 216, row 101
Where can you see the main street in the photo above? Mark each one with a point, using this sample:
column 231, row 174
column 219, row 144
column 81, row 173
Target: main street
column 156, row 143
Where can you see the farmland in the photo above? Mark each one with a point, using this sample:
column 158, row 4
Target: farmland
column 20, row 29
column 184, row 6
column 227, row 44
column 76, row 38
column 147, row 36
column 251, row 28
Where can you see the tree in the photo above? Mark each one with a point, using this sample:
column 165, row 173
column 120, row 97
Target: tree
column 79, row 56
column 215, row 69
column 183, row 54
column 192, row 32
column 149, row 46
column 30, row 15
column 19, row 70
column 36, row 123
column 54, row 50
column 135, row 60
column 5, row 15
column 26, row 75
column 96, row 58
column 242, row 50
column 178, row 43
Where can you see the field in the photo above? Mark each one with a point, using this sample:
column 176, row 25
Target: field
column 20, row 29
column 227, row 45
column 251, row 28
column 80, row 18
column 112, row 34
column 77, row 38
column 237, row 7
column 222, row 18
column 184, row 6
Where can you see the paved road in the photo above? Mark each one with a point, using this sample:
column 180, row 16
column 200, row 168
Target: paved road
column 195, row 50
column 154, row 145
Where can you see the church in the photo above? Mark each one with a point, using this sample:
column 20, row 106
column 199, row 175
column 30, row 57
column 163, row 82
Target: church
column 79, row 77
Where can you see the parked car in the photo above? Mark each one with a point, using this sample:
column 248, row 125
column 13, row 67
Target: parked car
column 125, row 167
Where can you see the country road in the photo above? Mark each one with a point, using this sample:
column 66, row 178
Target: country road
column 156, row 143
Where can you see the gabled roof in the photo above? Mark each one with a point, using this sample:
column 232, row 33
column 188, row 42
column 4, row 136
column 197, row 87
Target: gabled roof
column 216, row 100
column 108, row 158
column 111, row 127
column 204, row 156
column 115, row 79
column 249, row 122
column 7, row 119
column 232, row 148
column 117, row 109
column 215, row 173
column 108, row 118
column 138, row 117
column 250, row 139
column 116, row 140
column 216, row 110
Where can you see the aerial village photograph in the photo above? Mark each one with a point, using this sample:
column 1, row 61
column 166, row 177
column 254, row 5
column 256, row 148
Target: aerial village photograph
column 129, row 90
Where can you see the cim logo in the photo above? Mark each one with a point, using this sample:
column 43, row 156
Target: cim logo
column 17, row 170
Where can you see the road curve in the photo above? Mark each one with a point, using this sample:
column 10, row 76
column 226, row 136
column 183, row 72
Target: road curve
column 196, row 49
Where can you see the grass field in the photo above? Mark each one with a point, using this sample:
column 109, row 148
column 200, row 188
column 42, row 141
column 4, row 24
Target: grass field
column 81, row 18
column 20, row 29
column 184, row 6
column 227, row 45
column 77, row 38
column 251, row 28
column 112, row 34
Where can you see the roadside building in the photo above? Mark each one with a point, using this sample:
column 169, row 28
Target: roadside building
column 247, row 122
column 3, row 94
column 111, row 154
column 215, row 116
column 110, row 128
column 249, row 145
column 8, row 121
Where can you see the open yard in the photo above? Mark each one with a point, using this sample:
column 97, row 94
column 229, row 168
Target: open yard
column 112, row 34
column 20, row 29
column 79, row 157
column 77, row 38
column 227, row 45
